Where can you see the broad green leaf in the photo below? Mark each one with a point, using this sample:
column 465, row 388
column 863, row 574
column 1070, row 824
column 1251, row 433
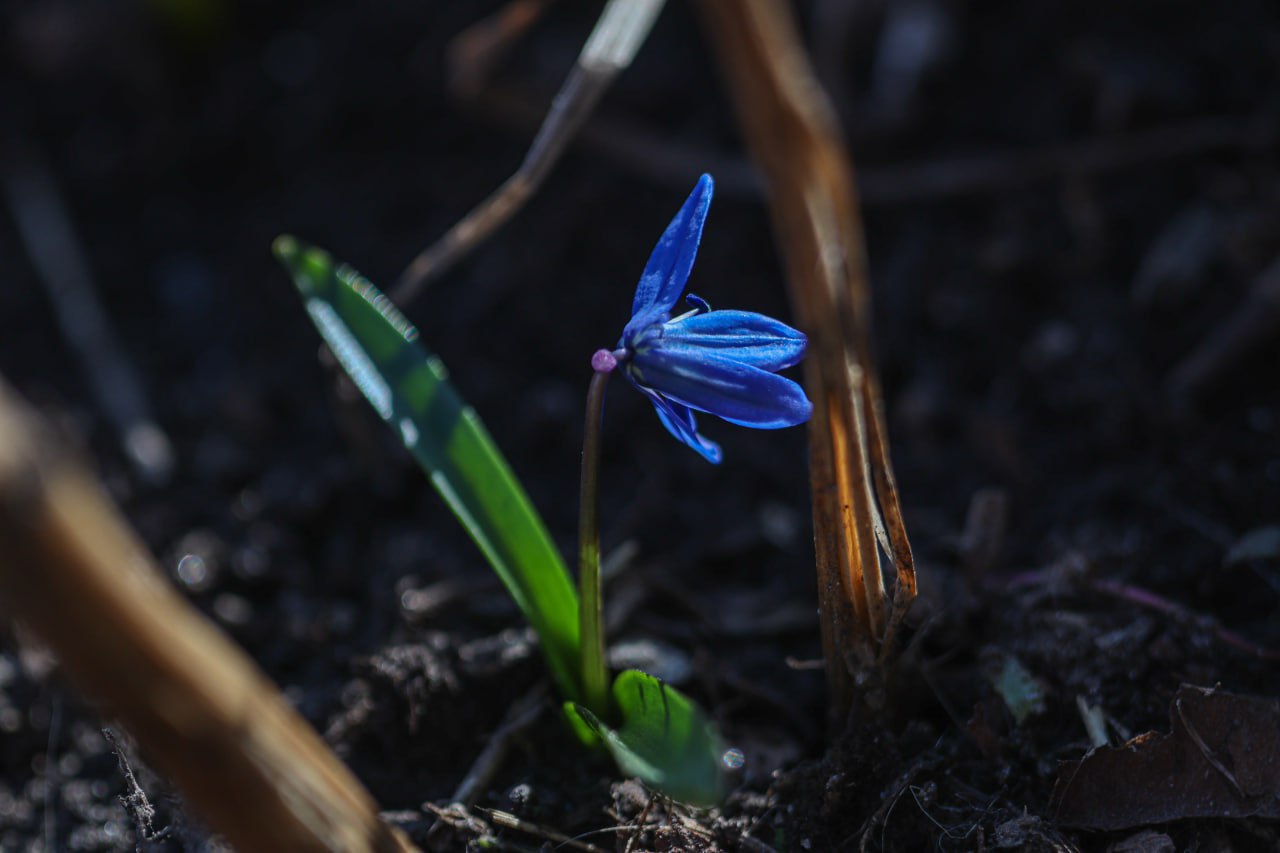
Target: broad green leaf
column 665, row 739
column 409, row 388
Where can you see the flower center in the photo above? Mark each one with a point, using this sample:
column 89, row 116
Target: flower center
column 643, row 338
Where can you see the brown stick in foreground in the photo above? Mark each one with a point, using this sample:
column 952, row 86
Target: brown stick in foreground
column 204, row 716
column 792, row 133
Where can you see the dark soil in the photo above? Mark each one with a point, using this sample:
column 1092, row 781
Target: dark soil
column 1066, row 205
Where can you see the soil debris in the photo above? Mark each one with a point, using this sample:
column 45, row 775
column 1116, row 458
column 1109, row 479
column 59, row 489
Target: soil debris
column 1221, row 759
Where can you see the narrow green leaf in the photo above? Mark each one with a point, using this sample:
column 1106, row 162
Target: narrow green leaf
column 665, row 739
column 410, row 390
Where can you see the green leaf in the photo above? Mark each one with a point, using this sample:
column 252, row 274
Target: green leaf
column 410, row 390
column 665, row 739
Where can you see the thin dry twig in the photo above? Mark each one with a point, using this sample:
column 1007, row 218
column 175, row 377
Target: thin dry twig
column 1209, row 755
column 621, row 29
column 1154, row 601
column 631, row 146
column 953, row 177
column 52, row 784
column 461, row 818
column 1149, row 599
column 203, row 714
column 643, row 150
column 889, row 799
column 793, row 136
column 506, row 820
column 519, row 718
column 638, row 826
column 473, row 52
column 1255, row 321
column 50, row 240
column 751, row 844
column 458, row 817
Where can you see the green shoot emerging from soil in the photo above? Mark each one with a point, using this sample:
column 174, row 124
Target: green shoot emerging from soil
column 651, row 730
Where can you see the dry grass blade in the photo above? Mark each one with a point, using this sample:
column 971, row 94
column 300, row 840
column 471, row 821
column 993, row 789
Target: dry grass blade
column 473, row 53
column 790, row 128
column 49, row 236
column 618, row 34
column 202, row 713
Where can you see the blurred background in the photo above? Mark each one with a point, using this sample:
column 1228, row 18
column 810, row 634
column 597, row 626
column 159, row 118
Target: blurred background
column 1073, row 228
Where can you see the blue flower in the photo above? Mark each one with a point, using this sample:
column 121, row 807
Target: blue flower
column 720, row 362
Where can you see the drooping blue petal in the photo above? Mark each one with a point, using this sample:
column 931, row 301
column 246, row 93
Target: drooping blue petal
column 732, row 390
column 680, row 422
column 743, row 336
column 668, row 269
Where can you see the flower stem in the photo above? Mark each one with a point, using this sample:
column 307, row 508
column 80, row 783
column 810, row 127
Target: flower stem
column 595, row 681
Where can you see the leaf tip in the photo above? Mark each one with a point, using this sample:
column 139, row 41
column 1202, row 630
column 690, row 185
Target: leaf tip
column 584, row 724
column 309, row 266
column 285, row 247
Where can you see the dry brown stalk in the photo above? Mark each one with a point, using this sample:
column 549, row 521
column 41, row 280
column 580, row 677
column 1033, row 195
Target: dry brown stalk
column 203, row 715
column 792, row 133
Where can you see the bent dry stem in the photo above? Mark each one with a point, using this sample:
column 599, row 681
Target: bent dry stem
column 595, row 676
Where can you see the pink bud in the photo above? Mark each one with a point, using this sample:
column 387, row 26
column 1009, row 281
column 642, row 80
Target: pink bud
column 603, row 361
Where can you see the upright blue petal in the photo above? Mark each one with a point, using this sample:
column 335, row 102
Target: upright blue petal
column 668, row 269
column 743, row 336
column 728, row 389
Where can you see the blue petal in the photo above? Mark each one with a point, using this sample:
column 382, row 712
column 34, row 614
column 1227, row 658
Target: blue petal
column 699, row 305
column 680, row 422
column 668, row 269
column 742, row 336
column 728, row 389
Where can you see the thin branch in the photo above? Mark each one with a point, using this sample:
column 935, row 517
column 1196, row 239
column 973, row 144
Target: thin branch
column 1154, row 601
column 519, row 718
column 618, row 34
column 57, row 256
column 644, row 150
column 1209, row 755
column 1253, row 323
column 506, row 820
column 473, row 52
